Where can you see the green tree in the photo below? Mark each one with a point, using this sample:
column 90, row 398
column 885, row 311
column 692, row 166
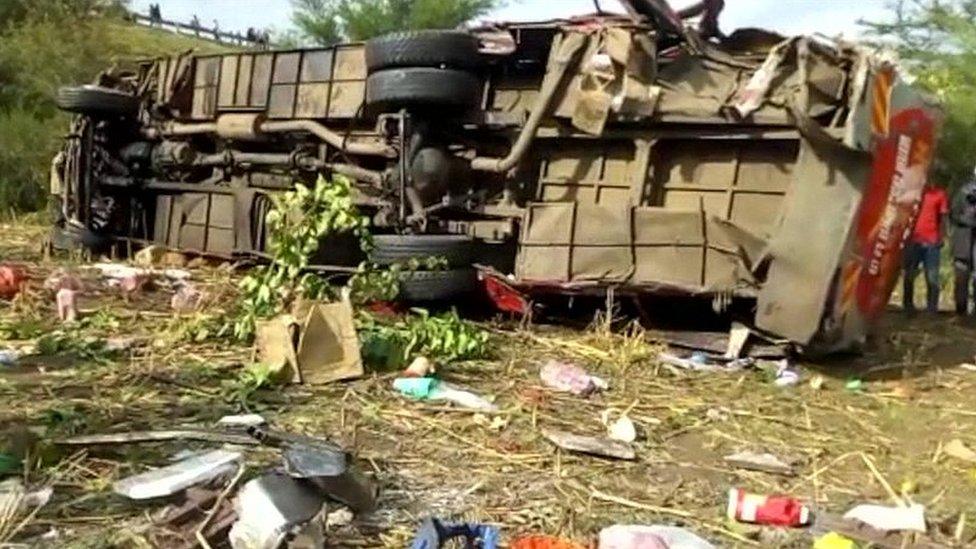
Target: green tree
column 936, row 41
column 327, row 22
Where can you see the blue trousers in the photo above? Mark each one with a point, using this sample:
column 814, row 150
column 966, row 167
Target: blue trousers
column 928, row 256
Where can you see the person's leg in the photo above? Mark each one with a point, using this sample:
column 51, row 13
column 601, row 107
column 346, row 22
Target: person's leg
column 963, row 276
column 932, row 264
column 911, row 272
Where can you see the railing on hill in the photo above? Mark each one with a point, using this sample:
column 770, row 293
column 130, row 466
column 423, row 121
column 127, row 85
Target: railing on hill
column 259, row 40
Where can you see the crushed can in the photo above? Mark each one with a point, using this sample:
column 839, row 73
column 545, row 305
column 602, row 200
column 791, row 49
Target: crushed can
column 767, row 510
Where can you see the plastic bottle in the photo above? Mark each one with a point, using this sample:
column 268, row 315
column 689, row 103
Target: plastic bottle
column 768, row 510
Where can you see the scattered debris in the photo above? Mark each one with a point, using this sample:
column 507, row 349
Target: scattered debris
column 596, row 446
column 14, row 496
column 122, row 344
column 433, row 534
column 968, row 367
column 854, row 385
column 718, row 343
column 60, row 279
column 910, row 518
column 650, row 537
column 958, row 449
column 271, row 508
column 187, row 299
column 817, row 383
column 171, row 479
column 738, row 336
column 181, row 520
column 767, row 463
column 701, row 362
column 428, row 388
column 119, row 271
column 420, row 367
column 149, row 256
column 833, row 540
column 570, row 378
column 622, row 428
column 327, row 348
column 767, row 510
column 156, row 255
column 9, row 357
column 12, row 281
column 339, row 518
column 786, row 376
column 324, row 464
column 241, row 421
column 157, row 436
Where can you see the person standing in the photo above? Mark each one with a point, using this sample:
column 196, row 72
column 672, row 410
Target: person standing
column 925, row 247
column 963, row 225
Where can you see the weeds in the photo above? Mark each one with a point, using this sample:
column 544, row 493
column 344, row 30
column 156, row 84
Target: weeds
column 73, row 342
column 442, row 338
column 297, row 223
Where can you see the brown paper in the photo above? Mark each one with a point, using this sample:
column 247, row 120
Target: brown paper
column 319, row 348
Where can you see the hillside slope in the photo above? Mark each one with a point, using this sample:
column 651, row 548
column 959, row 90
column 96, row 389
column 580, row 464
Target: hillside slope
column 39, row 56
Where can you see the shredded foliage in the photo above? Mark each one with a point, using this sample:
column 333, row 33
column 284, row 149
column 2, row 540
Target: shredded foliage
column 297, row 223
column 443, row 338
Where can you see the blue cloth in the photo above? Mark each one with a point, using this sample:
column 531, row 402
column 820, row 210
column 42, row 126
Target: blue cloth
column 929, row 257
column 433, row 533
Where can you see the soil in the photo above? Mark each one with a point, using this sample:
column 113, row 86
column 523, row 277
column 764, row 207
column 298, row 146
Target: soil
column 431, row 459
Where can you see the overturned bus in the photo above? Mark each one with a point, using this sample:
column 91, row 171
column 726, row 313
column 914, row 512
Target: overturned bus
column 627, row 152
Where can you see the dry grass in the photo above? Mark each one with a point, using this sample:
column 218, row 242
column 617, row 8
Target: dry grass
column 433, row 460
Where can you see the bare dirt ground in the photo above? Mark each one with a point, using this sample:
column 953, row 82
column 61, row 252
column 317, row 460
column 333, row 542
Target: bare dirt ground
column 850, row 446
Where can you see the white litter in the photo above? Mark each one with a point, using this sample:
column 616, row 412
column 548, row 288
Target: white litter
column 243, row 420
column 911, row 518
column 171, row 479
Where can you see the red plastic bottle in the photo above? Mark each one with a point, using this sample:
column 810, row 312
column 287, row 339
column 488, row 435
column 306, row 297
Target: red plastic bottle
column 768, row 510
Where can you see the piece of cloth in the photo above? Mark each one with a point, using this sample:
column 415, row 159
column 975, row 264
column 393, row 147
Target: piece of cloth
column 929, row 257
column 932, row 211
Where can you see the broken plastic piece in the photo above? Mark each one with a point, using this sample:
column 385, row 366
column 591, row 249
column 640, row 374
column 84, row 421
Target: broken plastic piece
column 433, row 533
column 884, row 518
column 171, row 479
column 650, row 537
column 604, row 447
